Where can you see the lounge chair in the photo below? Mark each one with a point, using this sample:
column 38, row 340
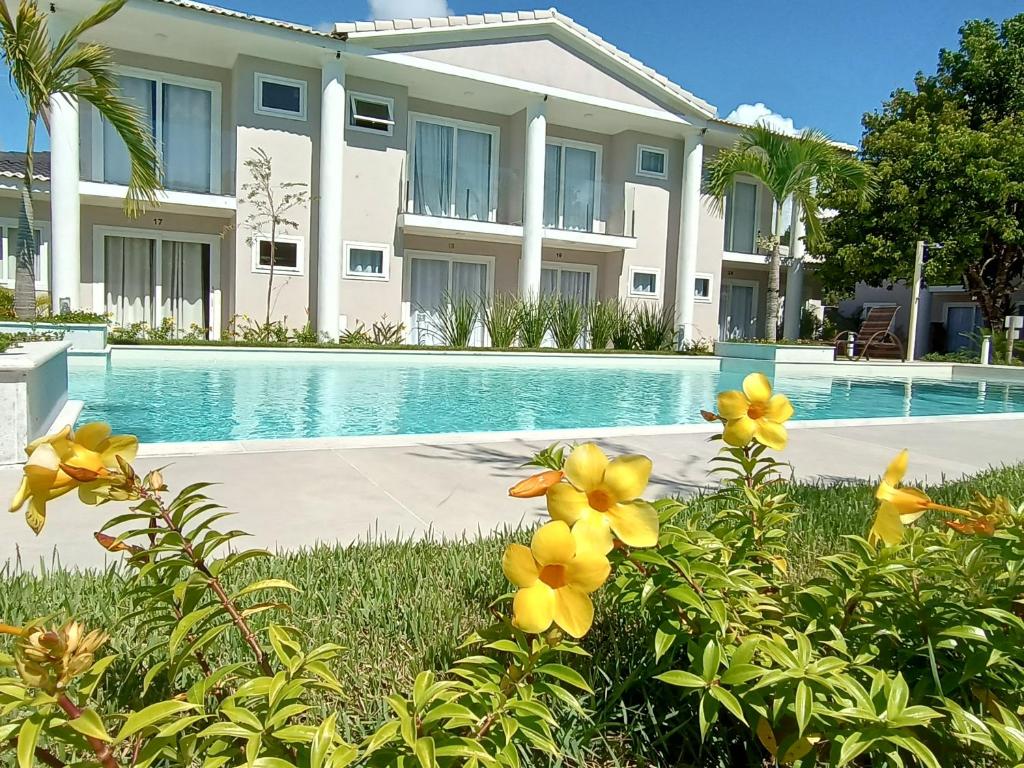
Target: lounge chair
column 876, row 337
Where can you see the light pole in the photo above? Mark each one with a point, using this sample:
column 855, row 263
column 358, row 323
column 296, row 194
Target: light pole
column 921, row 256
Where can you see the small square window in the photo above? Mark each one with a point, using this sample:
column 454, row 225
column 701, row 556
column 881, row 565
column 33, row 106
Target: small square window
column 366, row 261
column 287, row 255
column 643, row 283
column 374, row 114
column 280, row 97
column 702, row 288
column 651, row 161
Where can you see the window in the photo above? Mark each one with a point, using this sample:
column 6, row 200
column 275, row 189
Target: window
column 374, row 114
column 702, row 287
column 651, row 161
column 454, row 169
column 287, row 254
column 280, row 97
column 183, row 115
column 741, row 218
column 643, row 282
column 572, row 186
column 367, row 261
column 9, row 256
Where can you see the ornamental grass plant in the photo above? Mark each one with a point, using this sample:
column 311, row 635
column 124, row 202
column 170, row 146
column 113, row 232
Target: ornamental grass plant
column 764, row 624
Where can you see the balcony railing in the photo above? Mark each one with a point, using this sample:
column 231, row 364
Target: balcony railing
column 502, row 203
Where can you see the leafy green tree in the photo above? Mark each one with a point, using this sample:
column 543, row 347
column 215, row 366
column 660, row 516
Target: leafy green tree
column 788, row 167
column 66, row 68
column 949, row 160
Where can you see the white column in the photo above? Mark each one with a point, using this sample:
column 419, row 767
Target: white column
column 794, row 276
column 65, row 228
column 686, row 263
column 332, row 150
column 533, row 200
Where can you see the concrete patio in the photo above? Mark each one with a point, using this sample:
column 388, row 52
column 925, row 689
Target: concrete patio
column 297, row 498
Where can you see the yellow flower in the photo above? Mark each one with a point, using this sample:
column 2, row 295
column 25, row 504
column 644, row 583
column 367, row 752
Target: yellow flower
column 52, row 460
column 900, row 506
column 755, row 414
column 555, row 579
column 602, row 498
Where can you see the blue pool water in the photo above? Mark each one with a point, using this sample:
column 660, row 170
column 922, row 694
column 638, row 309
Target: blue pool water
column 193, row 397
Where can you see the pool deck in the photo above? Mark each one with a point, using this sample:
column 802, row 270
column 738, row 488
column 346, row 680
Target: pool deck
column 296, row 498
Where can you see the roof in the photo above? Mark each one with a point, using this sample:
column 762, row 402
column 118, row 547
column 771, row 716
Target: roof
column 736, row 124
column 12, row 165
column 364, row 29
column 216, row 10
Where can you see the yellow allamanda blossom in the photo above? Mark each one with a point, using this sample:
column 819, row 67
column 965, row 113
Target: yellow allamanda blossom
column 899, row 507
column 601, row 500
column 755, row 414
column 91, row 449
column 555, row 578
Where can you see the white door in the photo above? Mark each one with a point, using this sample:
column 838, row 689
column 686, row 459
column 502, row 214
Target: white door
column 130, row 279
column 184, row 270
column 737, row 313
column 431, row 282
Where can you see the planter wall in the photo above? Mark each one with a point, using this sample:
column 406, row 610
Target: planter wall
column 83, row 336
column 775, row 353
column 33, row 394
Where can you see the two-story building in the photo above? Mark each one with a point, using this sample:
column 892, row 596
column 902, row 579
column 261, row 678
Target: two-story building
column 512, row 152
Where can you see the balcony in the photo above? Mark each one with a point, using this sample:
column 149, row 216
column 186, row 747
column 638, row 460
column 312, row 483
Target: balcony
column 492, row 211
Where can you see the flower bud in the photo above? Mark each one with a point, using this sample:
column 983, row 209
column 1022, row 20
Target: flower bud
column 536, row 485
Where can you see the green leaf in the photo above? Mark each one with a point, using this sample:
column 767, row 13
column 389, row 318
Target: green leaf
column 566, row 674
column 151, row 715
column 28, row 737
column 741, row 673
column 271, row 762
column 854, row 745
column 89, row 724
column 708, row 714
column 804, row 706
column 682, row 679
column 728, row 701
column 424, row 750
column 965, row 632
column 899, row 693
column 256, row 586
column 662, row 642
column 710, row 659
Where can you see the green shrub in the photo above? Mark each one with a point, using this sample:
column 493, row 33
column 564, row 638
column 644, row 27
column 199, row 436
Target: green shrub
column 501, row 316
column 456, row 320
column 568, row 322
column 602, row 318
column 653, row 326
column 386, row 333
column 535, row 314
column 623, row 329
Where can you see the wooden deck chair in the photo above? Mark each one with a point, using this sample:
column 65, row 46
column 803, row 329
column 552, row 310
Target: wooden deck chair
column 876, row 337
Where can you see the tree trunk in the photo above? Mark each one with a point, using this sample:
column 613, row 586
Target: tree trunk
column 771, row 321
column 993, row 282
column 270, row 279
column 25, row 271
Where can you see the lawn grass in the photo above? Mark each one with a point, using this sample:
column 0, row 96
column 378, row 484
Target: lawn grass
column 399, row 607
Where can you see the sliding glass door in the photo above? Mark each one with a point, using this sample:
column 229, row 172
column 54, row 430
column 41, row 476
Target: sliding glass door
column 737, row 310
column 149, row 281
column 453, row 171
column 570, row 187
column 181, row 117
column 433, row 281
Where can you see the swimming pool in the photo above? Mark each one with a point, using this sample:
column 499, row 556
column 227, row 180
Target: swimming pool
column 187, row 396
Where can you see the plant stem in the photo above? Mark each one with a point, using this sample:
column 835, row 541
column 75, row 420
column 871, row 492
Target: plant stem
column 507, row 687
column 102, row 750
column 213, row 582
column 43, row 755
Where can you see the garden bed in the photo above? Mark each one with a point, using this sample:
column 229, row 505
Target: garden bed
column 82, row 336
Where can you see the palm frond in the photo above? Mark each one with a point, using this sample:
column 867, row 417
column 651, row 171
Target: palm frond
column 26, row 51
column 69, row 40
column 127, row 120
column 726, row 166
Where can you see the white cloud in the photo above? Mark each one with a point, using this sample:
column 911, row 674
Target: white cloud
column 327, row 27
column 407, row 9
column 755, row 114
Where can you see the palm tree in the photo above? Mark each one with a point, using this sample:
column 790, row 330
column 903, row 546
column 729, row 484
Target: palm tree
column 42, row 69
column 787, row 166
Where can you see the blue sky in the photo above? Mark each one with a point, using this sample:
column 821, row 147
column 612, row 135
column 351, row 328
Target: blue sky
column 821, row 63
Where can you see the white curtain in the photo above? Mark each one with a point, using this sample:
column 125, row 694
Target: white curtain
column 432, row 169
column 142, row 94
column 186, row 139
column 428, row 283
column 736, row 315
column 552, row 182
column 580, row 174
column 548, row 282
column 470, row 279
column 575, row 285
column 473, row 176
column 184, row 290
column 128, row 275
column 741, row 213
